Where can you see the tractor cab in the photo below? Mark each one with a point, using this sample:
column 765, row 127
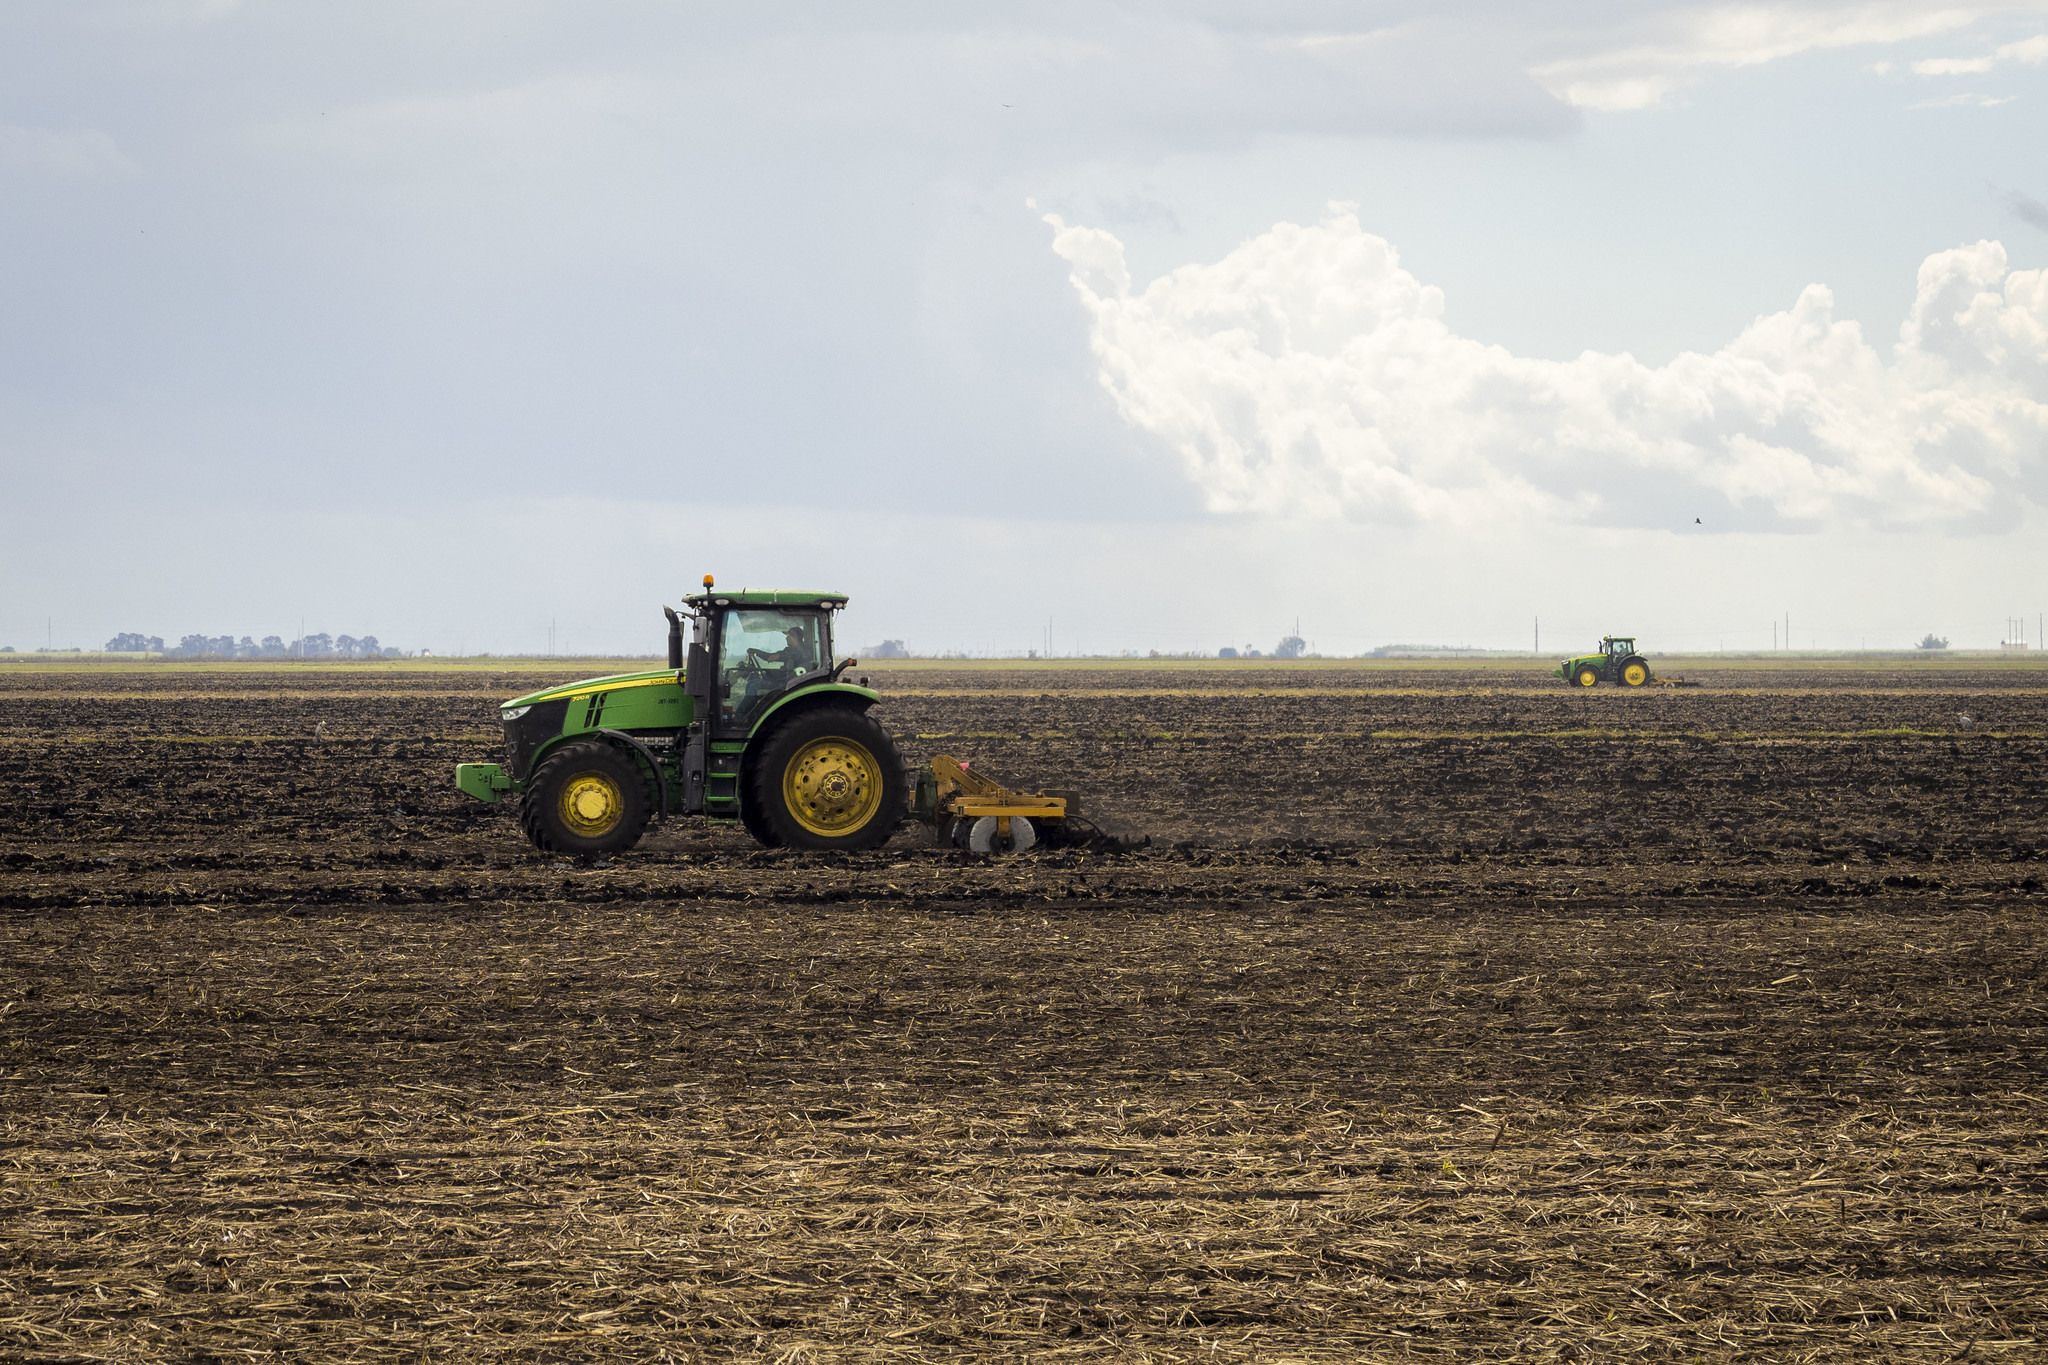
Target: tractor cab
column 763, row 653
column 758, row 651
column 1617, row 646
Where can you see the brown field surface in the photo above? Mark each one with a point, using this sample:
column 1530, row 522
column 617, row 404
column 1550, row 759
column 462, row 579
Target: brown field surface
column 1449, row 1014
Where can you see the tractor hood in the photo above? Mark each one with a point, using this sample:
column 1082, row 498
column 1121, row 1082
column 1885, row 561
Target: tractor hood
column 619, row 682
column 586, row 686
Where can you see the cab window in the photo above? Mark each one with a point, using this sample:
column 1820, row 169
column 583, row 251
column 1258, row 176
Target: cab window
column 764, row 651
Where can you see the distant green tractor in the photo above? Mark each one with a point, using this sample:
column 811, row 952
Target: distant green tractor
column 754, row 726
column 1617, row 662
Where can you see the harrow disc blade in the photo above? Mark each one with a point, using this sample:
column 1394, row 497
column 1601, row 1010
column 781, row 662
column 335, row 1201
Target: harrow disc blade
column 984, row 839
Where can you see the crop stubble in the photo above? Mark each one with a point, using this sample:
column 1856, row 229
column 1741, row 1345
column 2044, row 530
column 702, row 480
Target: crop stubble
column 1448, row 1015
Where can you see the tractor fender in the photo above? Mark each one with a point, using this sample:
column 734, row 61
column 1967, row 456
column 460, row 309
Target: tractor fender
column 824, row 694
column 647, row 755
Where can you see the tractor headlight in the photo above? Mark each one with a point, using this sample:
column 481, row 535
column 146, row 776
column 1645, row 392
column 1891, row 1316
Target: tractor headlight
column 512, row 713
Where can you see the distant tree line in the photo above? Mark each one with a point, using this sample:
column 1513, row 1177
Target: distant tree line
column 269, row 647
column 1290, row 647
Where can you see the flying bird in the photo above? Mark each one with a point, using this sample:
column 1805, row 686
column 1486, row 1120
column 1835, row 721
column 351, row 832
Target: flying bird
column 1695, row 521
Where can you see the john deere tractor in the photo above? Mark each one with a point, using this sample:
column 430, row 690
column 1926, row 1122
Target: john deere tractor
column 1617, row 662
column 752, row 724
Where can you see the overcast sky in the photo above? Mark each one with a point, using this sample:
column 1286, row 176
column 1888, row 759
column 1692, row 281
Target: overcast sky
column 1156, row 326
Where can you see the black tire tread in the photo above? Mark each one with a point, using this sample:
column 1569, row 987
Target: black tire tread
column 753, row 818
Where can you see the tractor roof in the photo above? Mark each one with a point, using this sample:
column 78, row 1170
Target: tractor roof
column 720, row 597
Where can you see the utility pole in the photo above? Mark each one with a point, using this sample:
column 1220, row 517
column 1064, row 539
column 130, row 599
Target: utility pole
column 1536, row 636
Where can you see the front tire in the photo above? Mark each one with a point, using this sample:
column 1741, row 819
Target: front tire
column 1587, row 676
column 829, row 778
column 585, row 799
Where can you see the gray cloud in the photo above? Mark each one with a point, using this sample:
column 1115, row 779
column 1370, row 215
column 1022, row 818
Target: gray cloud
column 2032, row 212
column 263, row 249
column 267, row 259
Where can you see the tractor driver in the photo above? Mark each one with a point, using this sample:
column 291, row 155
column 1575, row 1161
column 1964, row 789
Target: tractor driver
column 798, row 656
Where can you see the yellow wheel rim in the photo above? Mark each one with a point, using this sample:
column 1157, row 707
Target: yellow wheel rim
column 591, row 804
column 1635, row 675
column 1587, row 677
column 832, row 786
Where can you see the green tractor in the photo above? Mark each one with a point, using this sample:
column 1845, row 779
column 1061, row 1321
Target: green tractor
column 751, row 725
column 1617, row 662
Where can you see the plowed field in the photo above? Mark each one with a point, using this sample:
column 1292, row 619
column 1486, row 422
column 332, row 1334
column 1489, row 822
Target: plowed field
column 1447, row 1015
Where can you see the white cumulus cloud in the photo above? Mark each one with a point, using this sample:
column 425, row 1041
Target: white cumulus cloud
column 1308, row 374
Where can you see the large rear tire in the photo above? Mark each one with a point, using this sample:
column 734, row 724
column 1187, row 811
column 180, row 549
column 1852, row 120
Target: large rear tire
column 756, row 820
column 829, row 778
column 1634, row 672
column 586, row 799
